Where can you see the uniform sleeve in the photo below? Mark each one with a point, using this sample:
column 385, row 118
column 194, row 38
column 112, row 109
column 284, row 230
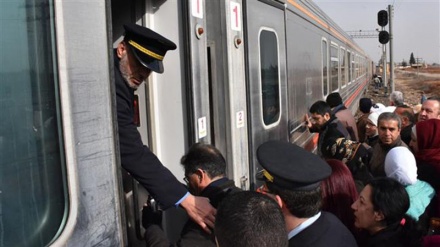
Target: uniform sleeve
column 155, row 237
column 142, row 164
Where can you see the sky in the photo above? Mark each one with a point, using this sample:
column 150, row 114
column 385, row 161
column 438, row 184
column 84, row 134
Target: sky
column 416, row 26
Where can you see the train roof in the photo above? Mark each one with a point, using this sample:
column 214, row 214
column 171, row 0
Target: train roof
column 310, row 11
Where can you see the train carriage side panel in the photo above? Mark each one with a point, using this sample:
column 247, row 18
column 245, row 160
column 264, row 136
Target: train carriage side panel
column 304, row 59
column 266, row 61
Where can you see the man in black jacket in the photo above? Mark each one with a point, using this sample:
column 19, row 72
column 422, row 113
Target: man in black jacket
column 141, row 52
column 327, row 125
column 205, row 170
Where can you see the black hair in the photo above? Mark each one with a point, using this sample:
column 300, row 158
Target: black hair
column 390, row 116
column 249, row 218
column 205, row 157
column 334, row 99
column 365, row 105
column 320, row 107
column 390, row 198
column 301, row 204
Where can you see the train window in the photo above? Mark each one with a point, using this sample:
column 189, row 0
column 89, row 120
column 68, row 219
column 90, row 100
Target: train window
column 324, row 68
column 343, row 65
column 349, row 67
column 33, row 198
column 356, row 68
column 334, row 68
column 270, row 84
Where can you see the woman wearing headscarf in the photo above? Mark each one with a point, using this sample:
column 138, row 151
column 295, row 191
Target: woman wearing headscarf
column 355, row 156
column 400, row 165
column 425, row 143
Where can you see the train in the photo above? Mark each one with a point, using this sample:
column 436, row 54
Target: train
column 244, row 72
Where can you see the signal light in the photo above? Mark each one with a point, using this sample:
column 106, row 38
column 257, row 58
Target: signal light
column 382, row 18
column 384, row 37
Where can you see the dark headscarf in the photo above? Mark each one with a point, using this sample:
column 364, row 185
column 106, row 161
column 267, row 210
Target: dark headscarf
column 428, row 141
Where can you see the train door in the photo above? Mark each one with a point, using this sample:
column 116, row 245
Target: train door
column 267, row 88
column 215, row 81
column 227, row 87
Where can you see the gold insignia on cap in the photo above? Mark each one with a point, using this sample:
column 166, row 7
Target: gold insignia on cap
column 145, row 50
column 268, row 176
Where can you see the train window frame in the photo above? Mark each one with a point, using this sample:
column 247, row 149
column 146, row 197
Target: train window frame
column 324, row 59
column 356, row 64
column 353, row 64
column 343, row 66
column 42, row 164
column 334, row 59
column 349, row 65
column 363, row 66
column 271, row 124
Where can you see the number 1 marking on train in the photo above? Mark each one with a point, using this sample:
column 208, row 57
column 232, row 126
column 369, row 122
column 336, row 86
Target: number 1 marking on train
column 197, row 8
column 202, row 127
column 235, row 9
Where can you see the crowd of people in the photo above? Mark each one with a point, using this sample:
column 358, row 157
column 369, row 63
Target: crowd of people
column 368, row 187
column 374, row 181
column 393, row 164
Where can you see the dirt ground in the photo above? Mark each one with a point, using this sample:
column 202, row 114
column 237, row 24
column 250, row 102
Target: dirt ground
column 411, row 82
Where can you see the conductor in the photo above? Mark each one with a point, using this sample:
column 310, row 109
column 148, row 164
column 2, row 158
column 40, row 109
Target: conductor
column 140, row 53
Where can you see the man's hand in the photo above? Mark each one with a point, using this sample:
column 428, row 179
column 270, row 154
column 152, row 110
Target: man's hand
column 200, row 211
column 307, row 122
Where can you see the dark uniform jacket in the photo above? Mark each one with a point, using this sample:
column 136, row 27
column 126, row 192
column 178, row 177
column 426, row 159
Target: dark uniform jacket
column 137, row 158
column 327, row 231
column 192, row 234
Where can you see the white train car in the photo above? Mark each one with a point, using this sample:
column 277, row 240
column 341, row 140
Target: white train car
column 244, row 72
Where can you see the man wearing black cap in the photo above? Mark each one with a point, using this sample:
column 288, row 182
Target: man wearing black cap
column 141, row 52
column 365, row 105
column 293, row 177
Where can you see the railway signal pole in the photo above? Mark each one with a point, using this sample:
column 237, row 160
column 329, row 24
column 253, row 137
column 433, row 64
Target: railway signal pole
column 384, row 18
column 391, row 12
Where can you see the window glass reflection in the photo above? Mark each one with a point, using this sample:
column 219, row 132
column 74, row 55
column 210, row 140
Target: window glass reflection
column 32, row 188
column 269, row 77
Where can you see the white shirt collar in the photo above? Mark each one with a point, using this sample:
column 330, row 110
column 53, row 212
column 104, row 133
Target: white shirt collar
column 303, row 225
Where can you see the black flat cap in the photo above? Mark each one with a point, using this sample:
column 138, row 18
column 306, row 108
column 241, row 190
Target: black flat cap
column 148, row 46
column 291, row 167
